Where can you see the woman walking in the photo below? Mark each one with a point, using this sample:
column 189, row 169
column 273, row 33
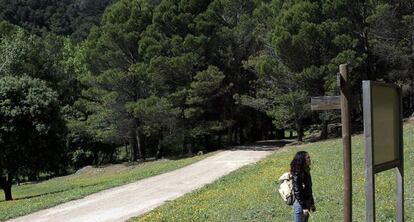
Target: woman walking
column 302, row 187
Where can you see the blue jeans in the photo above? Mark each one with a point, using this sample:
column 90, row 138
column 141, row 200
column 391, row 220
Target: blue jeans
column 298, row 215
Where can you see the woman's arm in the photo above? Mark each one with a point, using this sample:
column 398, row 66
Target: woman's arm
column 297, row 182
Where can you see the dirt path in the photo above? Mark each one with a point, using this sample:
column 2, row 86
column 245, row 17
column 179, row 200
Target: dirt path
column 121, row 203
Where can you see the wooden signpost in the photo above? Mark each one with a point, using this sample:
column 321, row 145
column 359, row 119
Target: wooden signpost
column 334, row 103
column 383, row 138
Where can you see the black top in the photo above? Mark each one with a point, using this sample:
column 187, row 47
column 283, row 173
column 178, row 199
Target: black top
column 302, row 189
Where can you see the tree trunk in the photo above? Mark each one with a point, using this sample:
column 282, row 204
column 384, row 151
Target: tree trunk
column 255, row 132
column 158, row 155
column 324, row 130
column 6, row 185
column 187, row 146
column 299, row 129
column 160, row 149
column 279, row 134
column 233, row 138
column 220, row 140
column 189, row 149
column 241, row 135
column 140, row 152
column 33, row 176
column 126, row 149
column 139, row 147
column 112, row 155
column 132, row 147
column 370, row 69
column 95, row 157
column 229, row 136
column 267, row 133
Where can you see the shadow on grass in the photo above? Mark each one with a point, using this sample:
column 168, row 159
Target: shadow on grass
column 264, row 145
column 50, row 193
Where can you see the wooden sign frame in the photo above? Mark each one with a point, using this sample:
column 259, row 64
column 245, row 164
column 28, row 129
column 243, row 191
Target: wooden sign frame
column 397, row 162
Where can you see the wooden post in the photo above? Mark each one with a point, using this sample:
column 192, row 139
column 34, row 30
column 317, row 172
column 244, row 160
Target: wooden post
column 400, row 168
column 331, row 103
column 400, row 191
column 346, row 140
column 369, row 156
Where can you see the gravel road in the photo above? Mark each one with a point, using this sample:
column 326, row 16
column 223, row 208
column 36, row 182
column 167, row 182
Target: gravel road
column 124, row 202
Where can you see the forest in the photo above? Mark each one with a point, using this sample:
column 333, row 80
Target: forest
column 92, row 82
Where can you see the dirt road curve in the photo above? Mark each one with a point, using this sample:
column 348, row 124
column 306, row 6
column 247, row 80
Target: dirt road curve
column 121, row 203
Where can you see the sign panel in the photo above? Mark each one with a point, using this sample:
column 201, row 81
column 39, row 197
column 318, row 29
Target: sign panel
column 386, row 123
column 382, row 122
column 325, row 103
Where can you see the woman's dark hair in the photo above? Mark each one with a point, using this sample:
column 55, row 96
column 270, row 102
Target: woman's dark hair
column 298, row 163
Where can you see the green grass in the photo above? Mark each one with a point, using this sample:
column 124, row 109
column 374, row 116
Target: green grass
column 250, row 194
column 33, row 197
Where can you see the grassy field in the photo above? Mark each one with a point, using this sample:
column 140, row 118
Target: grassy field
column 33, row 197
column 250, row 194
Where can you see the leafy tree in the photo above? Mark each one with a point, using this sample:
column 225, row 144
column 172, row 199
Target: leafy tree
column 392, row 46
column 14, row 49
column 278, row 94
column 115, row 77
column 302, row 46
column 45, row 58
column 204, row 94
column 372, row 34
column 186, row 38
column 173, row 53
column 158, row 118
column 31, row 129
column 229, row 27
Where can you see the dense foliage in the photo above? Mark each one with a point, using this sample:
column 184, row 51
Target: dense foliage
column 72, row 18
column 170, row 77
